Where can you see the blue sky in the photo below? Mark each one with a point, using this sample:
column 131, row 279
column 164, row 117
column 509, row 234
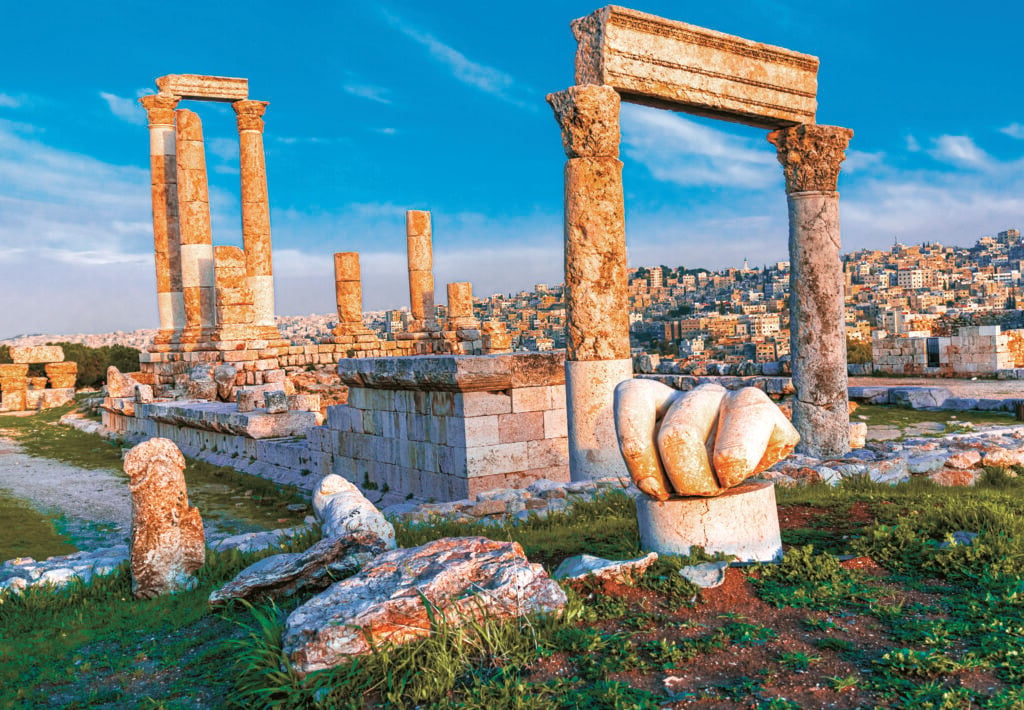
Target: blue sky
column 381, row 107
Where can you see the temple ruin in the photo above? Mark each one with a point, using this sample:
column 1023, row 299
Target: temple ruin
column 627, row 55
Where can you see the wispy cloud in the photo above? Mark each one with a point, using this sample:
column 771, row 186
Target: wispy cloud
column 860, row 160
column 127, row 109
column 1014, row 130
column 223, row 148
column 8, row 101
column 480, row 76
column 960, row 151
column 355, row 86
column 682, row 151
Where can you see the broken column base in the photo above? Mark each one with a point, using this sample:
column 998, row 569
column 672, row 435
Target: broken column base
column 743, row 522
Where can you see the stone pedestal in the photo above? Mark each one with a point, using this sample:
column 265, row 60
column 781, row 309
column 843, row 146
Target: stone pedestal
column 743, row 522
column 810, row 156
column 597, row 304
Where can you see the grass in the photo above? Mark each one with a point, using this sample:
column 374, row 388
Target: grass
column 28, row 533
column 886, row 416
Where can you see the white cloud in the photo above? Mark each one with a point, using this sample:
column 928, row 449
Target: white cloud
column 1014, row 130
column 8, row 101
column 223, row 148
column 485, row 78
column 859, row 160
column 960, row 151
column 366, row 91
column 680, row 150
column 127, row 109
column 912, row 145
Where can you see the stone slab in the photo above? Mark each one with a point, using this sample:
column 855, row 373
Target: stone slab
column 453, row 373
column 668, row 64
column 224, row 418
column 37, row 354
column 204, row 88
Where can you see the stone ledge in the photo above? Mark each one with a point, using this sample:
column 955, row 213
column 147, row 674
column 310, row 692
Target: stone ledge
column 224, row 418
column 455, row 373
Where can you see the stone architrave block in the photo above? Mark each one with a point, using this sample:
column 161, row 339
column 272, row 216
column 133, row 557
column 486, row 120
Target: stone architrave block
column 9, row 371
column 37, row 354
column 204, row 88
column 668, row 64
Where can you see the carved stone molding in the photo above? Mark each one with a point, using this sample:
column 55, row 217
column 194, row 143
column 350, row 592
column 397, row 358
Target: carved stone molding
column 810, row 155
column 249, row 114
column 160, row 108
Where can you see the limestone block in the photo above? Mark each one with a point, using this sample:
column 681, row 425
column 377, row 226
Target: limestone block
column 12, row 400
column 36, row 383
column 589, row 118
column 669, row 64
column 304, row 402
column 224, row 376
column 210, row 88
column 623, row 571
column 62, row 381
column 118, row 384
column 481, row 431
column 858, row 435
column 53, row 398
column 168, row 545
column 34, row 399
column 143, row 393
column 462, row 580
column 743, row 522
column 593, row 444
column 277, row 402
column 548, row 453
column 343, row 510
column 497, row 458
column 555, row 423
column 476, row 404
column 522, row 426
column 37, row 354
column 202, row 389
column 16, row 371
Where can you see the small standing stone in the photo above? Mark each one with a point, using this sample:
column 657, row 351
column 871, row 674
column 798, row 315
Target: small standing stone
column 277, row 401
column 224, row 375
column 168, row 545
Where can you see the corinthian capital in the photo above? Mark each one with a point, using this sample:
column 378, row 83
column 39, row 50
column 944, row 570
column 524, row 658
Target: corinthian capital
column 160, row 108
column 810, row 155
column 249, row 114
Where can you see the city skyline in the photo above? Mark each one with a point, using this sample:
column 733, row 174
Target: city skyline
column 378, row 110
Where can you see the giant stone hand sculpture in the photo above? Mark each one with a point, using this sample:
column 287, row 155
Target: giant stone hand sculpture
column 697, row 443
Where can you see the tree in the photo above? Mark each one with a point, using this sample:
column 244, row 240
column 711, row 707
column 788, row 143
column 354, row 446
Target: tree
column 858, row 352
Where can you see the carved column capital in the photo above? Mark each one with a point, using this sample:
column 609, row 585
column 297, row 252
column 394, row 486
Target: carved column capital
column 810, row 155
column 249, row 114
column 160, row 108
column 589, row 117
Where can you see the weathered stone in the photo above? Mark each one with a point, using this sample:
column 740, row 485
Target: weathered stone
column 964, row 459
column 118, row 384
column 201, row 87
column 954, row 477
column 276, row 401
column 9, row 371
column 419, row 242
column 167, row 535
column 143, row 393
column 858, row 435
column 590, row 417
column 670, row 64
column 202, row 389
column 706, row 575
column 343, row 510
column 348, row 287
column 318, row 567
column 589, row 118
column 1004, row 458
column 810, row 156
column 246, row 400
column 224, row 375
column 461, row 579
column 621, row 571
column 743, row 521
column 36, row 354
column 919, row 397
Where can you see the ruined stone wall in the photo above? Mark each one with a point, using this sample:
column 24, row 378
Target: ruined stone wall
column 974, row 350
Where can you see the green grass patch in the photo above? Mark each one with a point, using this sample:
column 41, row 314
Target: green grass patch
column 888, row 416
column 25, row 532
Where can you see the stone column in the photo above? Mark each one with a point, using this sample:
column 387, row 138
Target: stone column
column 419, row 241
column 348, row 289
column 197, row 268
column 810, row 157
column 256, row 209
column 597, row 356
column 166, row 237
column 460, row 305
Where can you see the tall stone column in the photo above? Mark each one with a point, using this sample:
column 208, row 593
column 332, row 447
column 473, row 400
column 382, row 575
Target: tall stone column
column 197, row 267
column 597, row 356
column 810, row 156
column 256, row 209
column 419, row 241
column 348, row 288
column 166, row 238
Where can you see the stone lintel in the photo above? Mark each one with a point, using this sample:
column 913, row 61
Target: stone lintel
column 204, row 88
column 668, row 64
column 224, row 418
column 455, row 373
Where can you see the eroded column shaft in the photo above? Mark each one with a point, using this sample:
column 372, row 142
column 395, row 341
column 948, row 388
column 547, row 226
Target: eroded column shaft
column 164, row 189
column 460, row 302
column 349, row 292
column 597, row 306
column 256, row 208
column 811, row 156
column 197, row 267
column 419, row 241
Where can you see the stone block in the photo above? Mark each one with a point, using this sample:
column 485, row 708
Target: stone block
column 276, row 402
column 531, row 399
column 62, row 381
column 36, row 383
column 521, row 426
column 548, row 453
column 555, row 425
column 13, row 400
column 15, row 371
column 498, row 458
column 477, row 404
column 482, row 431
column 208, row 88
column 37, row 354
column 34, row 399
column 53, row 398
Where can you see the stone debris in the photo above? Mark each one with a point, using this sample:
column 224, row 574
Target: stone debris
column 119, row 384
column 224, row 375
column 322, row 564
column 395, row 596
column 623, row 571
column 168, row 545
column 256, row 541
column 21, row 393
column 706, row 575
column 343, row 510
column 23, row 573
